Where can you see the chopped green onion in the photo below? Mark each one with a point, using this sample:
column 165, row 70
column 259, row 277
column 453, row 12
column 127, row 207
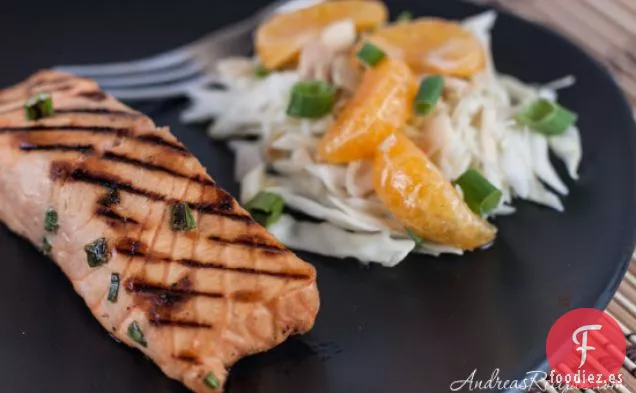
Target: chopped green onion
column 428, row 94
column 39, row 106
column 135, row 334
column 97, row 252
column 113, row 291
column 266, row 208
column 480, row 196
column 110, row 198
column 182, row 219
column 418, row 240
column 311, row 99
column 546, row 117
column 404, row 16
column 211, row 380
column 260, row 71
column 370, row 54
column 46, row 247
column 50, row 221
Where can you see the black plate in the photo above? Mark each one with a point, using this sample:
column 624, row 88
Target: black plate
column 409, row 329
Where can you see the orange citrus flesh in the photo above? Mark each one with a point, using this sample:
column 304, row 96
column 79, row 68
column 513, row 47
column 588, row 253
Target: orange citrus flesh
column 381, row 105
column 433, row 46
column 417, row 193
column 280, row 39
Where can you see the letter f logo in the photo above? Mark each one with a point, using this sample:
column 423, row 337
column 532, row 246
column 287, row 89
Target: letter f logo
column 583, row 344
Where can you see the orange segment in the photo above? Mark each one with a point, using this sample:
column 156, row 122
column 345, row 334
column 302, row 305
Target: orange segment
column 433, row 46
column 280, row 39
column 381, row 105
column 417, row 193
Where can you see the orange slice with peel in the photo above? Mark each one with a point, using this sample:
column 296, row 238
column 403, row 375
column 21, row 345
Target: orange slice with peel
column 380, row 106
column 433, row 46
column 417, row 193
column 279, row 40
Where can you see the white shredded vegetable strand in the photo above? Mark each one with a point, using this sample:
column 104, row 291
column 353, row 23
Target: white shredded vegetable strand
column 327, row 239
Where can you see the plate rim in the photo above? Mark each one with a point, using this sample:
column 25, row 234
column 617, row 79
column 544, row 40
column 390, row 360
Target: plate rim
column 625, row 256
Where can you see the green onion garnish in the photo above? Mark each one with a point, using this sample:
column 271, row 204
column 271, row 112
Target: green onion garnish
column 266, row 208
column 46, row 247
column 480, row 196
column 97, row 252
column 404, row 16
column 370, row 54
column 50, row 220
column 135, row 334
column 211, row 380
column 547, row 117
column 182, row 219
column 311, row 99
column 260, row 71
column 113, row 291
column 418, row 240
column 428, row 94
column 39, row 106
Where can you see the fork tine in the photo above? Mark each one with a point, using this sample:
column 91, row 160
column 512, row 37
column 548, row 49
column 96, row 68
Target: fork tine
column 157, row 92
column 180, row 55
column 154, row 63
column 172, row 73
column 189, row 69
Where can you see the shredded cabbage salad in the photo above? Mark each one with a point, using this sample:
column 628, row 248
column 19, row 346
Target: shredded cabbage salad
column 472, row 126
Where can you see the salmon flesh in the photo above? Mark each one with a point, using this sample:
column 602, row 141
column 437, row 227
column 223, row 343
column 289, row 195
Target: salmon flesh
column 111, row 198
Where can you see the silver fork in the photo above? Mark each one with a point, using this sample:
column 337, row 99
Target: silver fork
column 173, row 73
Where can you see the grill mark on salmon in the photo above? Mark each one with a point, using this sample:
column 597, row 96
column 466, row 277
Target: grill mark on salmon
column 109, row 182
column 111, row 197
column 187, row 357
column 135, row 248
column 168, row 295
column 155, row 236
column 161, row 301
column 131, row 247
column 65, row 170
column 42, row 128
column 115, row 157
column 166, row 322
column 96, row 111
column 247, row 270
column 154, row 167
column 121, row 132
column 223, row 206
column 57, row 147
column 211, row 210
column 60, row 171
column 157, row 140
column 95, row 95
column 78, row 111
column 192, row 255
column 247, row 296
column 250, row 242
column 113, row 215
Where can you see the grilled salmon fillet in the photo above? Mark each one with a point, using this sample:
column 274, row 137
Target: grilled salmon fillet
column 100, row 189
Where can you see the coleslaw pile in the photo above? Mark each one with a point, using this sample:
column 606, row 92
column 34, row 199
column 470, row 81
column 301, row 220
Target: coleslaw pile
column 473, row 126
